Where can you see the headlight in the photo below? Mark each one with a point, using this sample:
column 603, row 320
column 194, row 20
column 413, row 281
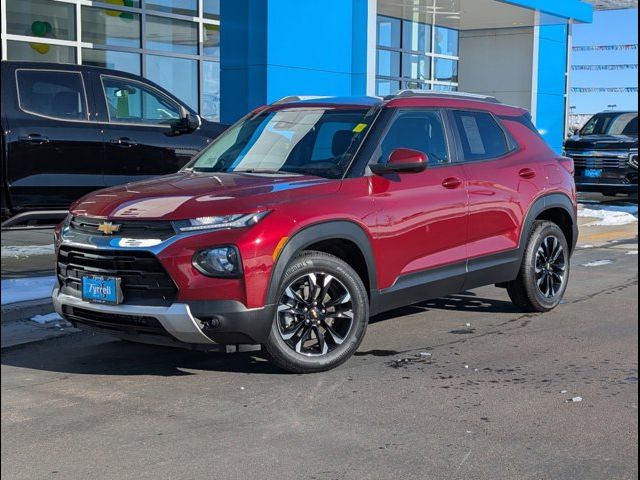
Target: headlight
column 218, row 262
column 221, row 222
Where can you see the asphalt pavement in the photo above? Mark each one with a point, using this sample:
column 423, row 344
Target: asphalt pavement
column 464, row 387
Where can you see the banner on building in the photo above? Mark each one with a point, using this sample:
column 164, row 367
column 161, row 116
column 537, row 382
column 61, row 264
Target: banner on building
column 604, row 89
column 602, row 48
column 630, row 66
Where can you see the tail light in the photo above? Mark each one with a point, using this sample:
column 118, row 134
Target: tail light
column 567, row 164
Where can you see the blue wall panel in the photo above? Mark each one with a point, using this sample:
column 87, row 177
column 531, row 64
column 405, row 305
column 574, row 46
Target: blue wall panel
column 291, row 47
column 552, row 69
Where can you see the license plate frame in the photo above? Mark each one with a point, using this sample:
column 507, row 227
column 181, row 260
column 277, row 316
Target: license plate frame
column 101, row 289
column 593, row 173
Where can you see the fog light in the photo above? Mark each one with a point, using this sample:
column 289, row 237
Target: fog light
column 218, row 262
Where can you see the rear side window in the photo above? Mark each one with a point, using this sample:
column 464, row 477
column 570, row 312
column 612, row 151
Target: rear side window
column 132, row 102
column 481, row 136
column 52, row 94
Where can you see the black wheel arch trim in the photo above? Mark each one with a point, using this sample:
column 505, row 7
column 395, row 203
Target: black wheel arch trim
column 318, row 232
column 541, row 205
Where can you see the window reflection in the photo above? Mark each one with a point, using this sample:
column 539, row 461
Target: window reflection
column 211, row 90
column 211, row 9
column 446, row 41
column 41, row 18
column 388, row 32
column 123, row 61
column 446, row 70
column 211, row 44
column 40, row 52
column 181, row 7
column 110, row 27
column 170, row 35
column 388, row 63
column 416, row 37
column 177, row 75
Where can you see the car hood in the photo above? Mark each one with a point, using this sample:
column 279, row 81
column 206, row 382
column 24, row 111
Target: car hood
column 602, row 142
column 190, row 195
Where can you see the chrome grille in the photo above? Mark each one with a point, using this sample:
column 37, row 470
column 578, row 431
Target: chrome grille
column 600, row 159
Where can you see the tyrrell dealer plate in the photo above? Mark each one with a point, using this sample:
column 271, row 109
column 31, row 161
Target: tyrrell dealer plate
column 99, row 289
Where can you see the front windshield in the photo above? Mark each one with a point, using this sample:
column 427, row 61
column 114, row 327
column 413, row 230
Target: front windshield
column 301, row 140
column 612, row 124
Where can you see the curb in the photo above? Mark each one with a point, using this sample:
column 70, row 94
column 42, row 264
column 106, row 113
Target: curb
column 25, row 310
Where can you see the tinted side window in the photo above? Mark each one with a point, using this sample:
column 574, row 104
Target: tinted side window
column 421, row 130
column 482, row 138
column 129, row 101
column 52, row 94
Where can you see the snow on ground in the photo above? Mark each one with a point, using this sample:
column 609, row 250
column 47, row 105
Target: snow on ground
column 13, row 251
column 632, row 252
column 48, row 318
column 610, row 215
column 24, row 289
column 17, row 251
column 598, row 263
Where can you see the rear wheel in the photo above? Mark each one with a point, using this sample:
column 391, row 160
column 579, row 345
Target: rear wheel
column 322, row 314
column 544, row 273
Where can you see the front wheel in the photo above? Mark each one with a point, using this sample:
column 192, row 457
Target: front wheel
column 544, row 273
column 322, row 314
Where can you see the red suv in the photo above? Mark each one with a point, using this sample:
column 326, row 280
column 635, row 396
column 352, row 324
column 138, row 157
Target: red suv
column 312, row 214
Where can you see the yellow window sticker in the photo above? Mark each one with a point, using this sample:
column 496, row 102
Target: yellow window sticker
column 360, row 127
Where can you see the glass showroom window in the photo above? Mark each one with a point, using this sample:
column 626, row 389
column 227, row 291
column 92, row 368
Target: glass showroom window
column 415, row 55
column 175, row 43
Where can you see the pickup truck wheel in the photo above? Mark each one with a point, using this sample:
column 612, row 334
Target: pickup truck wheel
column 322, row 314
column 544, row 273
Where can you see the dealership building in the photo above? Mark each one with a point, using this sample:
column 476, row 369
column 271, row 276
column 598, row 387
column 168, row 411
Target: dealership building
column 225, row 57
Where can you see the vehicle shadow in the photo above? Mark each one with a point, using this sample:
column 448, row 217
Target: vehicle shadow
column 100, row 354
column 465, row 301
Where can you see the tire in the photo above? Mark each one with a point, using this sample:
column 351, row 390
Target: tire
column 526, row 291
column 336, row 325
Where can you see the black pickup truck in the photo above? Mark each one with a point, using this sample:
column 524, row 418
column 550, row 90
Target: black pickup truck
column 69, row 129
column 605, row 152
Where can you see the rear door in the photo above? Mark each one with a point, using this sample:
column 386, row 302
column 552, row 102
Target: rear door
column 54, row 150
column 136, row 118
column 500, row 183
column 422, row 217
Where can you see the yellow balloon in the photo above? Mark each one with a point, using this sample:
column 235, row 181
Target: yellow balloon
column 114, row 13
column 41, row 48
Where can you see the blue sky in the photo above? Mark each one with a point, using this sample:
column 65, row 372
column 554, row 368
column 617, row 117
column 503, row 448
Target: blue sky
column 609, row 28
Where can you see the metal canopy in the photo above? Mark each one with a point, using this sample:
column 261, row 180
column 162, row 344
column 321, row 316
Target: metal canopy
column 613, row 4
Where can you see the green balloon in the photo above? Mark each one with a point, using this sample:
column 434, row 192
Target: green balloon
column 39, row 29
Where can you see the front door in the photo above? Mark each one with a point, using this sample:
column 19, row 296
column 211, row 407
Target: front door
column 54, row 151
column 136, row 119
column 422, row 217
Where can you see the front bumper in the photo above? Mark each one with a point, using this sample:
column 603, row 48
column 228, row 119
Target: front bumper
column 193, row 323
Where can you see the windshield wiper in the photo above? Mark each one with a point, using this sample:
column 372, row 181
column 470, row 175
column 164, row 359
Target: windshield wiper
column 266, row 172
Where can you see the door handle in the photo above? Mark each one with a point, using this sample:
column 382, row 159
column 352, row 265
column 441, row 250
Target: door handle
column 451, row 183
column 124, row 142
column 34, row 139
column 527, row 173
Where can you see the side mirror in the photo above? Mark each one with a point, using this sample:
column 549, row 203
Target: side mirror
column 187, row 124
column 403, row 160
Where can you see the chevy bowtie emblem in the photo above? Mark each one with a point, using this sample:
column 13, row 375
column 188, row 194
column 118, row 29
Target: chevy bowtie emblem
column 109, row 228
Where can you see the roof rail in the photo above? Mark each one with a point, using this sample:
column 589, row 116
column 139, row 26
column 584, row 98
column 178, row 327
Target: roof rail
column 298, row 98
column 433, row 93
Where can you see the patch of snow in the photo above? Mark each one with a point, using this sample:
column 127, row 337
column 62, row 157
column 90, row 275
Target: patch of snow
column 425, row 354
column 575, row 400
column 48, row 318
column 610, row 215
column 585, row 247
column 632, row 252
column 14, row 251
column 564, row 392
column 23, row 289
column 597, row 263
